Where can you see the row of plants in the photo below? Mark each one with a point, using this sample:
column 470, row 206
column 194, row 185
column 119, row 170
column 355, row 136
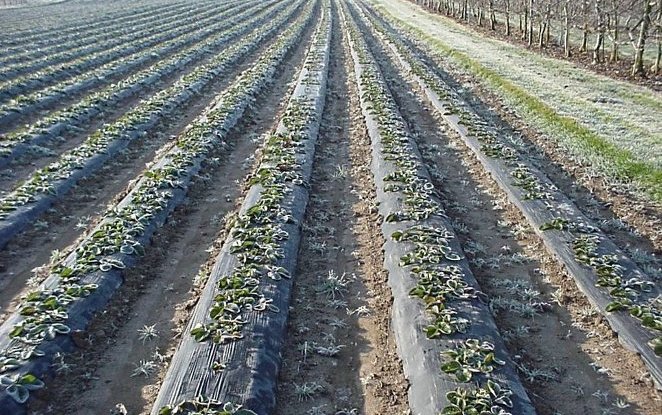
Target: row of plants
column 217, row 37
column 46, row 184
column 626, row 287
column 57, row 43
column 205, row 406
column 133, row 32
column 259, row 252
column 100, row 65
column 29, row 102
column 631, row 294
column 47, row 314
column 432, row 264
column 25, row 31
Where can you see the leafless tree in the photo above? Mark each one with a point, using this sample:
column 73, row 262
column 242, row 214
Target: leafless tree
column 601, row 22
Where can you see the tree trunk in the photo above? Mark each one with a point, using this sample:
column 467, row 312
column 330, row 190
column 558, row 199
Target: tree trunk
column 658, row 34
column 658, row 58
column 584, row 46
column 566, row 30
column 613, row 57
column 531, row 23
column 548, row 17
column 597, row 58
column 492, row 16
column 638, row 65
column 507, row 17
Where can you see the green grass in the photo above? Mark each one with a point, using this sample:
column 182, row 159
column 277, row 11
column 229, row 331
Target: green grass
column 645, row 175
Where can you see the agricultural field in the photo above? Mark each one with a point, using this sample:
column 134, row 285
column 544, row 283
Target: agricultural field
column 307, row 207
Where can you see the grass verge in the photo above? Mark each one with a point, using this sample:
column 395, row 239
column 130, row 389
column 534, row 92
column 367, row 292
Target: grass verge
column 622, row 163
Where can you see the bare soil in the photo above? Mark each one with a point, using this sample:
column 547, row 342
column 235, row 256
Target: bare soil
column 340, row 345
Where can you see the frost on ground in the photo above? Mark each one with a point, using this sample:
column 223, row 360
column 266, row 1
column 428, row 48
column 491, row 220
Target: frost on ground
column 620, row 113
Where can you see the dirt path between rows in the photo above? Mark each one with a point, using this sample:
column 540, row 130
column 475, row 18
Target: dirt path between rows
column 340, row 356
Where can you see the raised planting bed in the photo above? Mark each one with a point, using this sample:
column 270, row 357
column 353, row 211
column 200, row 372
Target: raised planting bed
column 452, row 353
column 231, row 350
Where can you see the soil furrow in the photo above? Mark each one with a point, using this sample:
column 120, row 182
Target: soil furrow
column 340, row 346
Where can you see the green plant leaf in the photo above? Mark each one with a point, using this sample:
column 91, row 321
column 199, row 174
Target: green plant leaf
column 615, row 306
column 451, row 367
column 463, row 375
